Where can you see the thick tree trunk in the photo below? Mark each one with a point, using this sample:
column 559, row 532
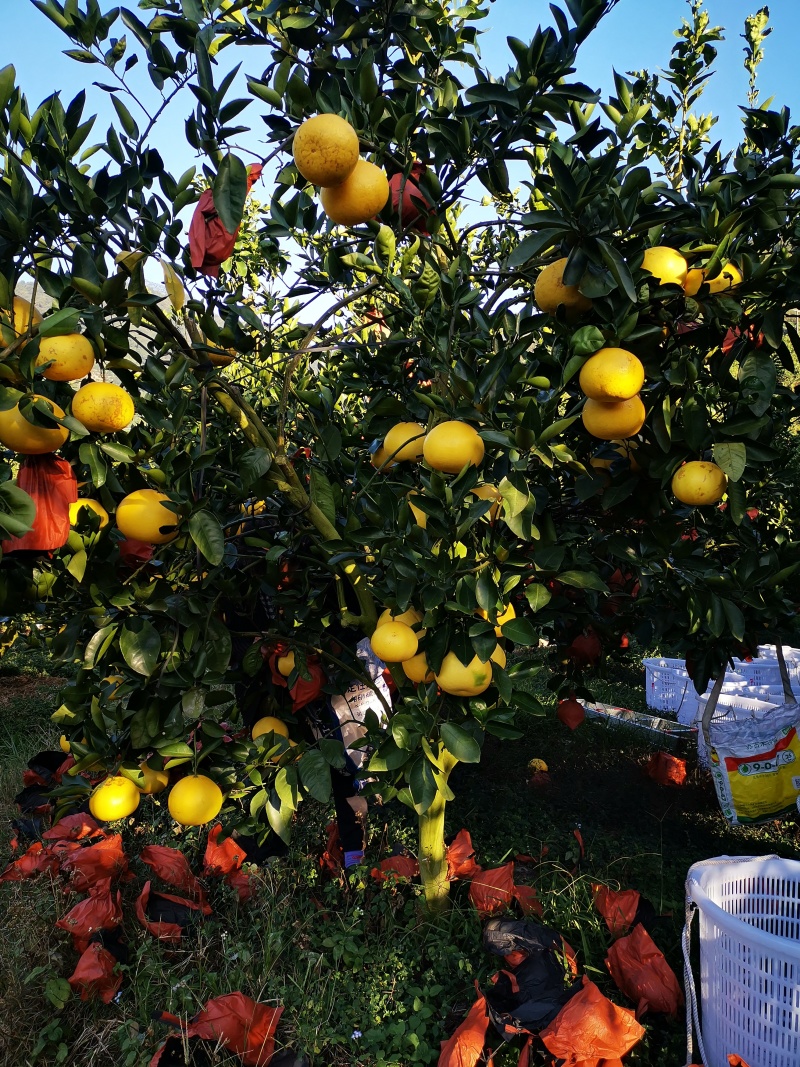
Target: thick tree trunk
column 432, row 851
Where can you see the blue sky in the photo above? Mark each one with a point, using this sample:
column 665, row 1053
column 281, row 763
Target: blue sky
column 638, row 33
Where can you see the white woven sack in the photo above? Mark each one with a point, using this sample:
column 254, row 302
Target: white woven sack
column 731, row 708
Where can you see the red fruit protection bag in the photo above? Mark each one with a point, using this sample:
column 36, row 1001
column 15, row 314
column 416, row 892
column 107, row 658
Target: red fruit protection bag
column 94, row 976
column 590, row 1029
column 638, row 967
column 50, row 482
column 492, row 890
column 244, row 1027
column 465, row 1047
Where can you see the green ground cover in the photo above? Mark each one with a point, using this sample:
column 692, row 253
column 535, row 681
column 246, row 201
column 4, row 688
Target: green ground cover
column 349, row 957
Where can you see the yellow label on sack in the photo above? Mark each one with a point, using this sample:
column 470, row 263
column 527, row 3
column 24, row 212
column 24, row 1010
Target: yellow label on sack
column 765, row 786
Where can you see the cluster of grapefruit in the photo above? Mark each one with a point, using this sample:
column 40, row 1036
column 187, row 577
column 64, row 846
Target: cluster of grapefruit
column 326, row 153
column 612, row 378
column 396, row 640
column 100, row 407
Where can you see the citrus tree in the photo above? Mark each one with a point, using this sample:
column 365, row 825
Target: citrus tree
column 501, row 380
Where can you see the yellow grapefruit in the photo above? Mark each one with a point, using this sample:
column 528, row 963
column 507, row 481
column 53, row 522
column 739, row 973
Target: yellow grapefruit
column 194, row 800
column 625, row 449
column 420, row 516
column 549, row 291
column 87, row 504
column 380, row 459
column 665, row 264
column 103, row 407
column 70, row 356
column 63, row 744
column 285, row 664
column 269, row 724
column 506, row 615
column 394, row 642
column 449, row 446
column 490, row 492
column 699, row 483
column 115, row 798
column 611, row 375
column 458, row 680
column 142, row 516
column 359, row 198
column 694, row 279
column 404, row 441
column 22, row 436
column 411, row 617
column 728, row 278
column 611, row 422
column 325, row 150
column 417, row 670
column 153, row 781
column 23, row 316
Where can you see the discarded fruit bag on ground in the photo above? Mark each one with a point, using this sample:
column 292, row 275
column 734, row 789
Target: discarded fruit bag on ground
column 591, row 1028
column 465, row 1047
column 222, row 857
column 101, row 910
column 754, row 760
column 492, row 890
column 165, row 915
column 43, row 769
column 618, row 907
column 36, row 860
column 244, row 1027
column 638, row 967
column 103, row 859
column 397, row 867
column 95, row 975
column 461, row 857
column 666, row 769
column 172, row 867
column 50, row 481
column 529, row 997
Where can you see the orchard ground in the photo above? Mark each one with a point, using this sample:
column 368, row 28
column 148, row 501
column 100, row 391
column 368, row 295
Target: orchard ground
column 343, row 955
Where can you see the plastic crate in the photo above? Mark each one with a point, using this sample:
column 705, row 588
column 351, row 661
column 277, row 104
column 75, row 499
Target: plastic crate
column 668, row 687
column 749, row 911
column 731, row 707
column 766, row 671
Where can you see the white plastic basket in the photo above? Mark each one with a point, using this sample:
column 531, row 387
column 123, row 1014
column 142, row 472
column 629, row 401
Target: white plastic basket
column 749, row 909
column 668, row 687
column 731, row 707
column 766, row 670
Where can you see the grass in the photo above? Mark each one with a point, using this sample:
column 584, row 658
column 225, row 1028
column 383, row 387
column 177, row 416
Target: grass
column 347, row 956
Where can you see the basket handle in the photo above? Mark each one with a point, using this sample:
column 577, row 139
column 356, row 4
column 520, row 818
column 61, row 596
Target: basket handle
column 711, row 705
column 787, row 685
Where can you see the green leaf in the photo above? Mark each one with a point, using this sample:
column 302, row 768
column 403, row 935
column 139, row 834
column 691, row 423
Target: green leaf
column 731, row 457
column 583, row 580
column 174, row 749
column 207, row 534
column 521, row 632
column 17, row 510
column 555, row 428
column 230, row 191
column 315, row 774
column 60, row 322
column 140, row 645
column 279, row 816
column 77, row 565
column 619, row 270
column 286, row 786
column 538, row 596
column 422, row 784
column 460, row 744
column 532, row 246
column 58, row 991
column 587, row 340
column 322, row 494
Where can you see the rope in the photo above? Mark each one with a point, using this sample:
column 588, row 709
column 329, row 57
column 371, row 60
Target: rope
column 692, row 1014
